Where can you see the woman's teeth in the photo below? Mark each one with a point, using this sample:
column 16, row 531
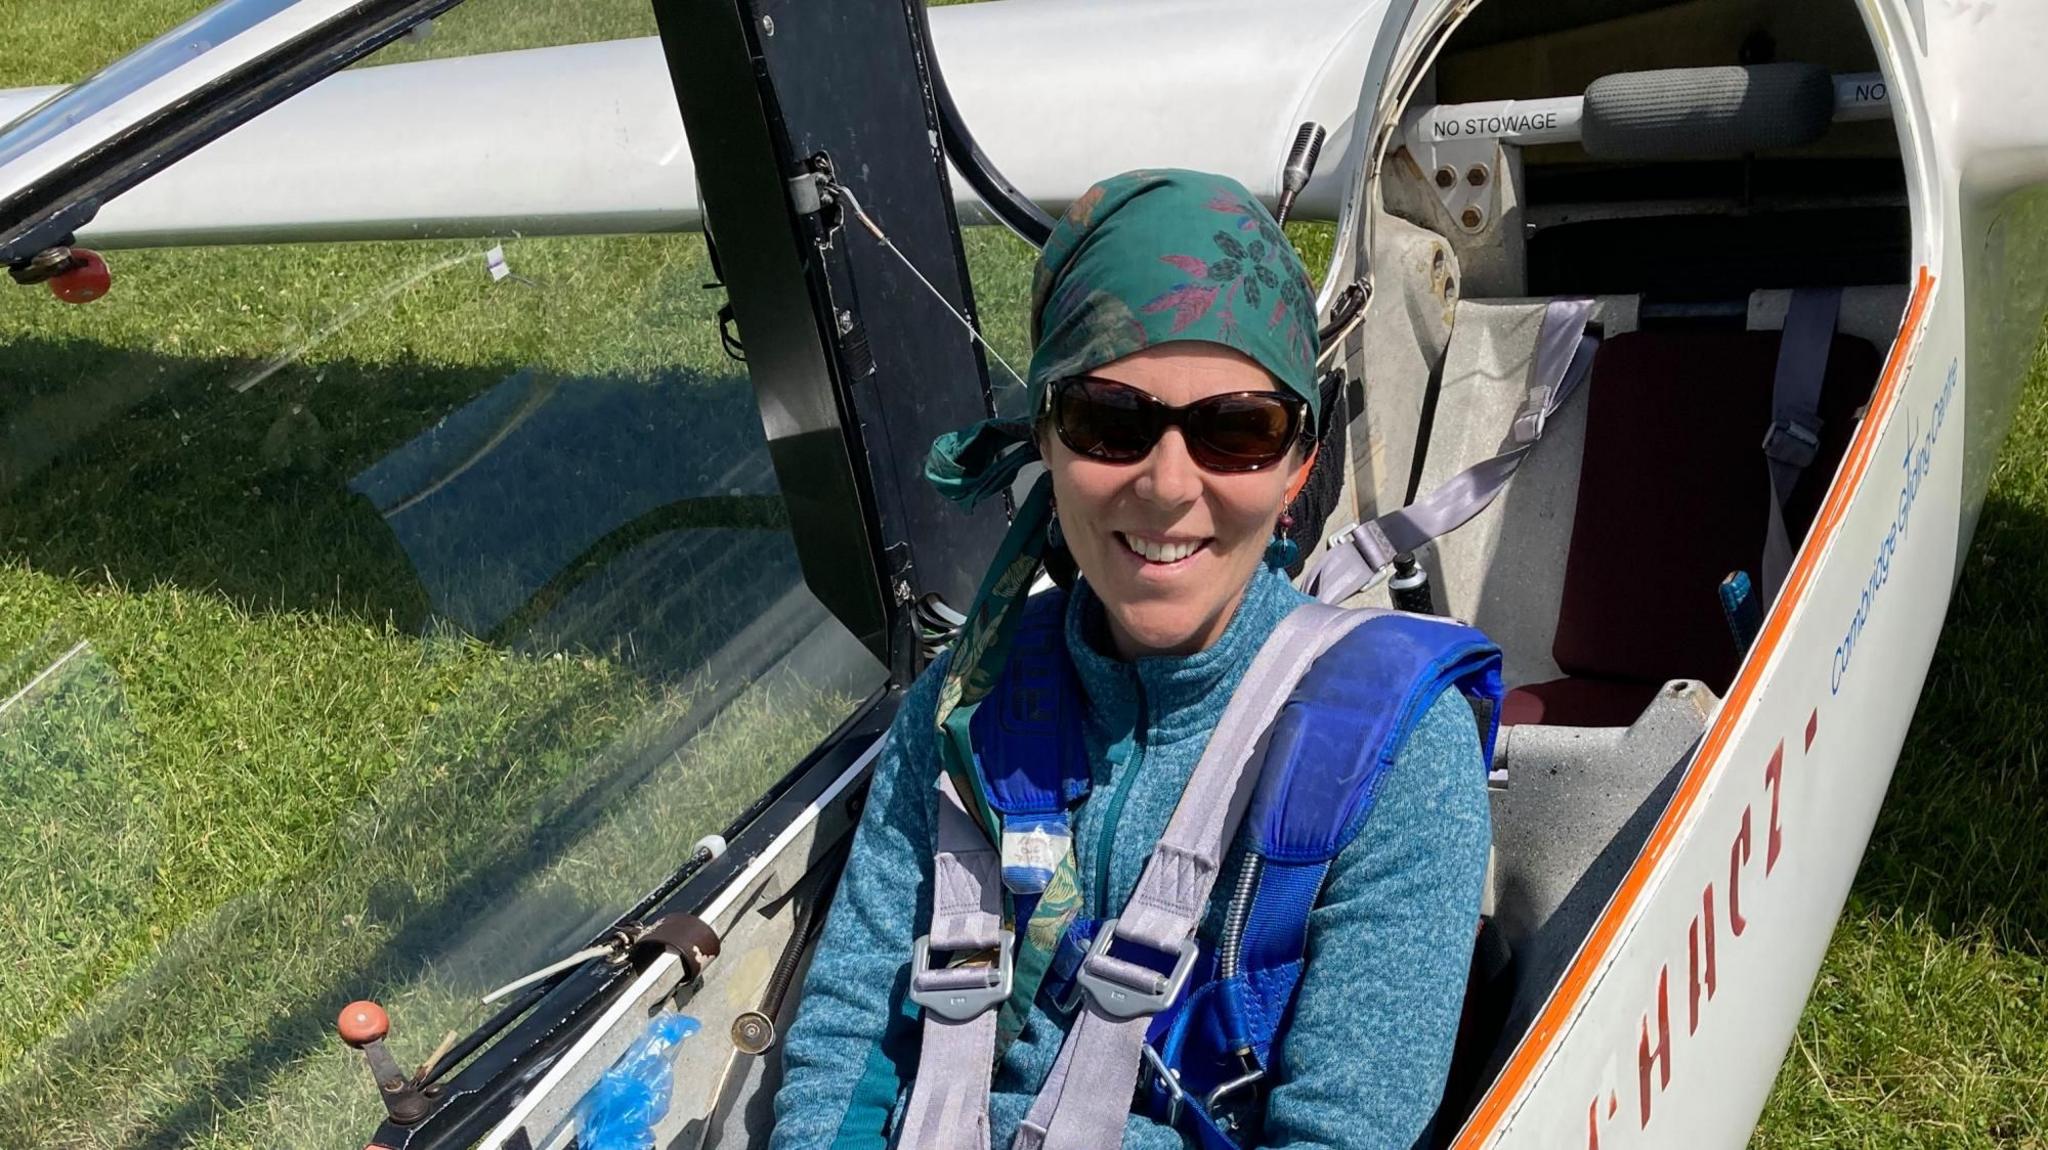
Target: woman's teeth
column 1159, row 552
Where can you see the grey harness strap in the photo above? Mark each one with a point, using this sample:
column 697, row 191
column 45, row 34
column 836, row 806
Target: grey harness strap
column 1794, row 438
column 1086, row 1098
column 1564, row 358
column 949, row 1105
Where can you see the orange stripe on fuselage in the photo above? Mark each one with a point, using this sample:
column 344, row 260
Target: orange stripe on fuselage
column 1578, row 979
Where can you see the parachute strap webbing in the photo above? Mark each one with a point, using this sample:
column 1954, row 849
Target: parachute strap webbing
column 1084, row 1101
column 1794, row 436
column 949, row 1104
column 1564, row 358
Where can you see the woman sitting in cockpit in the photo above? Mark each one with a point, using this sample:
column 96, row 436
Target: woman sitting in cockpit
column 994, row 971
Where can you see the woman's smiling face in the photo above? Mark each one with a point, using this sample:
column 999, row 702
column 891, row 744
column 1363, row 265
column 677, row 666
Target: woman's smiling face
column 1167, row 545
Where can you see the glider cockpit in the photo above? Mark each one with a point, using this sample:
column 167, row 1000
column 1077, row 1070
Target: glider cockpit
column 1714, row 192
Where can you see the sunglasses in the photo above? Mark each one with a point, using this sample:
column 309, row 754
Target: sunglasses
column 1117, row 423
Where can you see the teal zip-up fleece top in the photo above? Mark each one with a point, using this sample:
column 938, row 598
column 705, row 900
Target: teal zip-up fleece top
column 1389, row 943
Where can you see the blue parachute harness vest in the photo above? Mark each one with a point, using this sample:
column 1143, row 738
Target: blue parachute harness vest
column 1339, row 732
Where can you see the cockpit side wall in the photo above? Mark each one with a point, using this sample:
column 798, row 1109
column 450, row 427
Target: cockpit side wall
column 1668, row 1028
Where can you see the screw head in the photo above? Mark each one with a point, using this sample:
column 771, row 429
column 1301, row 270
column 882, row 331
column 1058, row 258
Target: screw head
column 1477, row 175
column 1472, row 218
column 1445, row 177
column 753, row 1032
column 845, row 322
column 767, row 25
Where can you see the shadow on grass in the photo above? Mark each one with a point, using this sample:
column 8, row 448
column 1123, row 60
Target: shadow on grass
column 631, row 518
column 449, row 878
column 1962, row 841
column 199, row 1043
column 507, row 502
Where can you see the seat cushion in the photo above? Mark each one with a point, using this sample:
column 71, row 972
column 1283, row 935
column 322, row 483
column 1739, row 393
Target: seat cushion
column 1578, row 703
column 1674, row 494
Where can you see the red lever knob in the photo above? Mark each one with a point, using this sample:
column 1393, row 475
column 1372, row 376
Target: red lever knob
column 84, row 279
column 362, row 1023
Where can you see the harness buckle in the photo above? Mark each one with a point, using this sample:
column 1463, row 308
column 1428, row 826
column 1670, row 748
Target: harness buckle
column 1169, row 1079
column 1792, row 443
column 1117, row 998
column 1252, row 1075
column 958, row 993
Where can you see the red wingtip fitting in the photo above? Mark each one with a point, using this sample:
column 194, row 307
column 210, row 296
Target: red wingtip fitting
column 85, row 279
column 362, row 1023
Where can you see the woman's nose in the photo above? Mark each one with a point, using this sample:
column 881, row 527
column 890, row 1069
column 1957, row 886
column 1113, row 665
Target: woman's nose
column 1171, row 477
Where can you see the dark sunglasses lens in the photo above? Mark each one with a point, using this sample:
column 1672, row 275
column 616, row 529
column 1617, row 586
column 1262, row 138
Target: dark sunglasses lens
column 1106, row 420
column 1241, row 432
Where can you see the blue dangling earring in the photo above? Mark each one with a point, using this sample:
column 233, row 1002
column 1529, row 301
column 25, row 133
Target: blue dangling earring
column 1283, row 552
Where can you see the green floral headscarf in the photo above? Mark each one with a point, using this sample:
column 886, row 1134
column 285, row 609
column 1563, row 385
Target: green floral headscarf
column 1141, row 259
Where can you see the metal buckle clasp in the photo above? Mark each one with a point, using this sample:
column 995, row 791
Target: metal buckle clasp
column 931, row 990
column 1169, row 1079
column 1253, row 1073
column 1120, row 999
column 1792, row 443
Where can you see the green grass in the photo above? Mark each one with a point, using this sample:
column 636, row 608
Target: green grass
column 274, row 775
column 1926, row 1027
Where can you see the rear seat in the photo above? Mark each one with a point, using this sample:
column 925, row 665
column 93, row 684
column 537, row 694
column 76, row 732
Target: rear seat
column 1672, row 496
column 1650, row 481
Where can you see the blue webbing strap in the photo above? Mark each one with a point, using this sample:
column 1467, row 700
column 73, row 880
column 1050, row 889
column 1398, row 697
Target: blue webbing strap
column 1029, row 753
column 1275, row 936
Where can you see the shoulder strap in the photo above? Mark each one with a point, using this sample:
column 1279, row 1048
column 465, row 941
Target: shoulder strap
column 1343, row 727
column 949, row 1110
column 1083, row 1102
column 1794, row 438
column 1564, row 358
column 1349, row 717
column 1029, row 764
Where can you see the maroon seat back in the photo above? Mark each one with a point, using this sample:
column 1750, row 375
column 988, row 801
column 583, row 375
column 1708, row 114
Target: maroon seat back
column 1674, row 494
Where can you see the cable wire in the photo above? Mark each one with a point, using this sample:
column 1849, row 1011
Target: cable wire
column 841, row 191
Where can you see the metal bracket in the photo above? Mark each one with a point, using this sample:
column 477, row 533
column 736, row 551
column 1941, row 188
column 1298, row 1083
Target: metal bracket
column 690, row 937
column 1464, row 172
column 804, row 193
column 1119, row 999
column 960, row 1003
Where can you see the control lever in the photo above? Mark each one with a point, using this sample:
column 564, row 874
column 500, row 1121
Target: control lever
column 1301, row 164
column 74, row 275
column 363, row 1025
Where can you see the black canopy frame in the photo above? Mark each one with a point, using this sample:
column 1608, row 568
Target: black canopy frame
column 856, row 366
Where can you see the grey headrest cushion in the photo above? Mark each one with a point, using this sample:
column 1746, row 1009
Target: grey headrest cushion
column 1707, row 113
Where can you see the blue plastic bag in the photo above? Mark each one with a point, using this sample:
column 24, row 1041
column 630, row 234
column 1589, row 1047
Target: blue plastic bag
column 620, row 1111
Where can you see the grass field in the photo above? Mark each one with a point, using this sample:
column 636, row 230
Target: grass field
column 308, row 743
